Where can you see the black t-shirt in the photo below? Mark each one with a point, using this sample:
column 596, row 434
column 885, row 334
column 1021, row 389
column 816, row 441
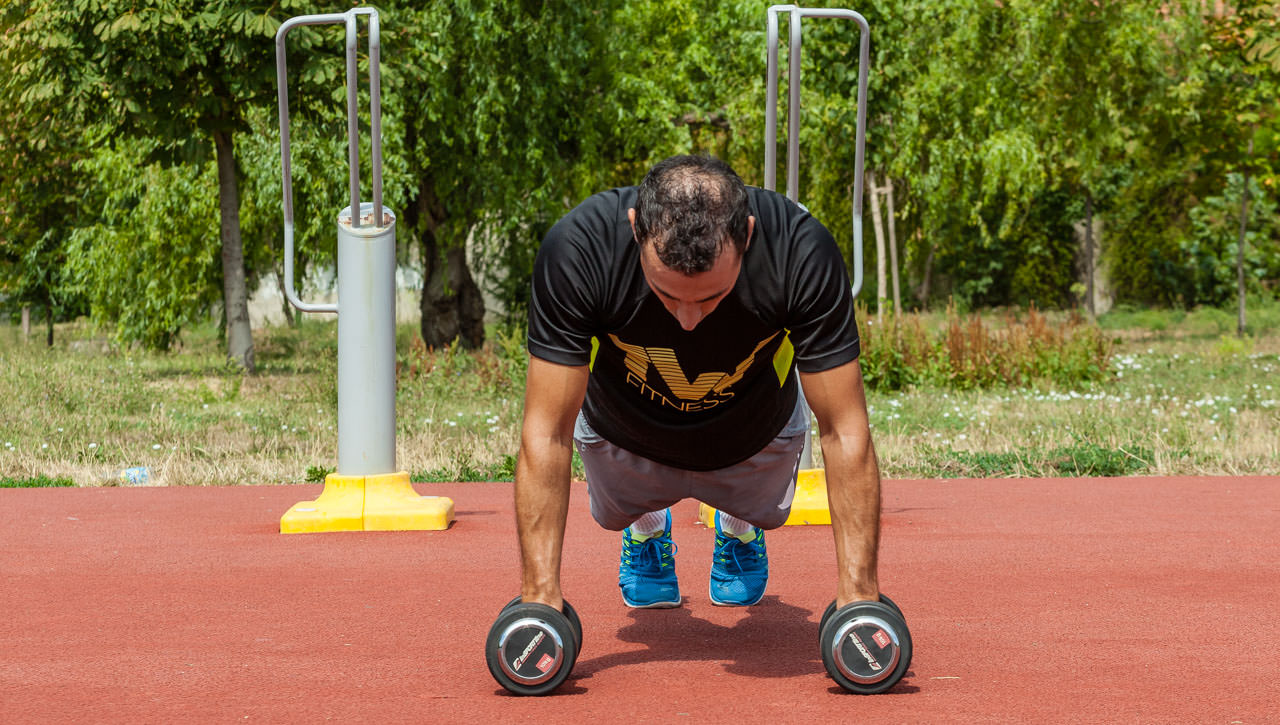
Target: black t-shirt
column 706, row 398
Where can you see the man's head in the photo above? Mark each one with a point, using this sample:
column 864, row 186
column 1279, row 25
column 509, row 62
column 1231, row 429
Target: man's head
column 693, row 224
column 690, row 208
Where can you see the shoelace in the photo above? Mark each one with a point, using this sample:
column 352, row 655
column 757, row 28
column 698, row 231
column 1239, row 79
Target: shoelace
column 642, row 555
column 728, row 546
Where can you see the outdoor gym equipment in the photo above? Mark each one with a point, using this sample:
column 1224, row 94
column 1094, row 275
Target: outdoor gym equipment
column 531, row 648
column 367, row 492
column 865, row 646
column 809, row 506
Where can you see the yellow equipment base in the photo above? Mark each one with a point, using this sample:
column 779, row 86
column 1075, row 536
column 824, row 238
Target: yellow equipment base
column 808, row 508
column 385, row 502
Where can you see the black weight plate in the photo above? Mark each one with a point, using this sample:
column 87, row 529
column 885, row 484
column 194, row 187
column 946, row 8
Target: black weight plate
column 530, row 649
column 569, row 611
column 894, row 605
column 831, row 608
column 866, row 647
column 576, row 622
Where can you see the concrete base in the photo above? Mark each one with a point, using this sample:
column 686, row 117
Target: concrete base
column 808, row 508
column 385, row 502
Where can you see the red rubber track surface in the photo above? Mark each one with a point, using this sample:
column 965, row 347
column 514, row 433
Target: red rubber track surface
column 1119, row 600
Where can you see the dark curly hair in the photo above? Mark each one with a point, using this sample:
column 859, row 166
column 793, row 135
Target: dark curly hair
column 690, row 208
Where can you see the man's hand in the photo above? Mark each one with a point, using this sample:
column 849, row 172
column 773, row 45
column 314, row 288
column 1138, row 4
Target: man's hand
column 837, row 399
column 553, row 397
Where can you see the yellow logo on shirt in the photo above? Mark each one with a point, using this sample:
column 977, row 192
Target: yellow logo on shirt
column 706, row 391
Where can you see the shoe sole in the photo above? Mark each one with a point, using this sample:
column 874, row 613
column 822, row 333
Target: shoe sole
column 719, row 603
column 655, row 605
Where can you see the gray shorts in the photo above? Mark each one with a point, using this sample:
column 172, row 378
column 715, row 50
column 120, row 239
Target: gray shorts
column 624, row 486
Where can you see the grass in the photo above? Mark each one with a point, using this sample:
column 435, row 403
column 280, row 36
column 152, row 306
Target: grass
column 35, row 482
column 1176, row 396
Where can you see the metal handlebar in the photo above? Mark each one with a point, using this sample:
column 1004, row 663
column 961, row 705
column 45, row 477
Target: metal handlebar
column 353, row 153
column 793, row 123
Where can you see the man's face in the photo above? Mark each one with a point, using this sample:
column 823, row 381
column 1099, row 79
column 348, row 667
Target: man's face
column 690, row 298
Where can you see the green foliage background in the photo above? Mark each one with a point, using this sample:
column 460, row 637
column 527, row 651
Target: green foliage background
column 999, row 124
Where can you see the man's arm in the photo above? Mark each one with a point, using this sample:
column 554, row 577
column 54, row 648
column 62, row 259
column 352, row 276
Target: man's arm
column 553, row 396
column 853, row 477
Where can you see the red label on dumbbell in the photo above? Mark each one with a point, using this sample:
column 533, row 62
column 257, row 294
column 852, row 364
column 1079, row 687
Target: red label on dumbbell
column 545, row 663
column 881, row 638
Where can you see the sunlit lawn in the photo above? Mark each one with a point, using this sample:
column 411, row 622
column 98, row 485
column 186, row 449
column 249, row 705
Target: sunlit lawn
column 1181, row 400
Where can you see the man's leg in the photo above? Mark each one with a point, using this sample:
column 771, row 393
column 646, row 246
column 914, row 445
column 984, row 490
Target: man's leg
column 750, row 497
column 634, row 494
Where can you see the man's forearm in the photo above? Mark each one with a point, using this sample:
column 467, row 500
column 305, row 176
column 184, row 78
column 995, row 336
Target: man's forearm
column 542, row 504
column 853, row 492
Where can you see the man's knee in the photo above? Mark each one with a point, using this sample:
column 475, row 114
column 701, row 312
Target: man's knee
column 774, row 519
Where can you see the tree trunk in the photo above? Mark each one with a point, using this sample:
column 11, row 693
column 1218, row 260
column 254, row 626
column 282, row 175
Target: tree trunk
column 26, row 322
column 286, row 306
column 893, row 247
column 452, row 306
column 48, row 320
column 925, row 284
column 1088, row 253
column 879, row 227
column 1244, row 227
column 235, row 293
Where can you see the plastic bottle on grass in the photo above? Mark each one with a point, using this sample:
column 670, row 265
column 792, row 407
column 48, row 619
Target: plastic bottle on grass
column 134, row 476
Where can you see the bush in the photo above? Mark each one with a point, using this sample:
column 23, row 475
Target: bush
column 967, row 353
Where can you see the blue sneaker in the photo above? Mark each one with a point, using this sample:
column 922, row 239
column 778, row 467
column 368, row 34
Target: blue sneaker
column 647, row 574
column 739, row 570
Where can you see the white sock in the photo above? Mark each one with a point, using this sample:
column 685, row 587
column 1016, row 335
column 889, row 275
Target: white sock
column 734, row 526
column 652, row 523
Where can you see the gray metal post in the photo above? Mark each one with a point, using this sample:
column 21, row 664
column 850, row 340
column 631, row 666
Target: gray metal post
column 366, row 344
column 796, row 14
column 366, row 269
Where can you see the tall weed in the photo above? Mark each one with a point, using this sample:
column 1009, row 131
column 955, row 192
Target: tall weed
column 967, row 352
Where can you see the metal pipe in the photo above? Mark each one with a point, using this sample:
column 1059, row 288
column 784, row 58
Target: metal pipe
column 353, row 119
column 793, row 131
column 282, row 96
column 375, row 116
column 771, row 101
column 793, row 110
column 771, row 110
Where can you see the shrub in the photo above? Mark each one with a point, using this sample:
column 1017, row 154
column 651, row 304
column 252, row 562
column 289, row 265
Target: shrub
column 968, row 353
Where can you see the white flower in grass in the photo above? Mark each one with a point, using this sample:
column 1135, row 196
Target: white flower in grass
column 44, row 445
column 155, row 447
column 92, row 446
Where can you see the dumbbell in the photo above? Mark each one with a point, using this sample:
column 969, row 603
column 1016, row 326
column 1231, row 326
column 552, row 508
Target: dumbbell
column 831, row 608
column 574, row 620
column 531, row 648
column 865, row 646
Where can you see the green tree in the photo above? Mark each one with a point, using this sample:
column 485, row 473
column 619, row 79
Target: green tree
column 493, row 105
column 144, row 263
column 1246, row 72
column 40, row 189
column 178, row 73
